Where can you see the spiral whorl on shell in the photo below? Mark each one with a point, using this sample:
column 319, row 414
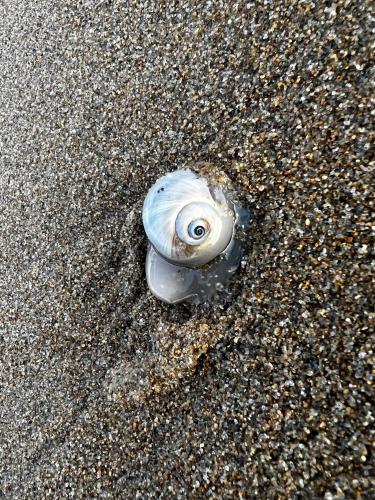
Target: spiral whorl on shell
column 188, row 222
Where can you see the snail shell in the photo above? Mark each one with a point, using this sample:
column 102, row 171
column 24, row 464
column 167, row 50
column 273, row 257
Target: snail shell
column 188, row 222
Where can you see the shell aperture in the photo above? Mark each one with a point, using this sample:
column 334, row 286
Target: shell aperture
column 190, row 226
column 173, row 284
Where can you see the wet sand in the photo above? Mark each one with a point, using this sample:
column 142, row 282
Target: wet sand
column 105, row 391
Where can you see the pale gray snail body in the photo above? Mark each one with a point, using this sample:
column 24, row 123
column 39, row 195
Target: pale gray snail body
column 190, row 225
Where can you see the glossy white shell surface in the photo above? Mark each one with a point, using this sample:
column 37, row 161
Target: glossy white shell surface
column 182, row 197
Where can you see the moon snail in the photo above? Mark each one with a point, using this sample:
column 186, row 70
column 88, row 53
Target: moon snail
column 190, row 224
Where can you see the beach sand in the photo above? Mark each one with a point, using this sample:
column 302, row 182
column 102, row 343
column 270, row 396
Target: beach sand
column 107, row 392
